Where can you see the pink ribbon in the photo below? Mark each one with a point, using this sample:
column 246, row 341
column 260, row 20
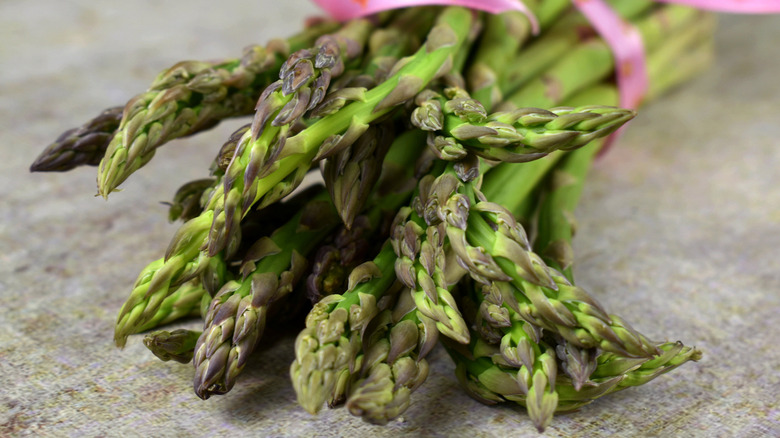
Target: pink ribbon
column 627, row 47
column 629, row 52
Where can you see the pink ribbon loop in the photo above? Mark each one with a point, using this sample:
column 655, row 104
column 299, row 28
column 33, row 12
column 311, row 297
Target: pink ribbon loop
column 627, row 48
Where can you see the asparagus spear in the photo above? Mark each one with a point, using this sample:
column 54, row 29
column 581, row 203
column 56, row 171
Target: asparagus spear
column 176, row 345
column 576, row 362
column 78, row 146
column 521, row 348
column 544, row 297
column 351, row 174
column 189, row 97
column 420, row 266
column 520, row 135
column 237, row 314
column 327, row 349
column 335, row 131
column 158, row 280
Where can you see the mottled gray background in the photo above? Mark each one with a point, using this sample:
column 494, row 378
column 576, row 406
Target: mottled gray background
column 678, row 233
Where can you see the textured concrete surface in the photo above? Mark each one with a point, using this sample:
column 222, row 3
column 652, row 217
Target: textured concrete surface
column 678, row 233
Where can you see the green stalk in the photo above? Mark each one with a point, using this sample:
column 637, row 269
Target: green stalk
column 327, row 349
column 420, row 267
column 521, row 348
column 459, row 125
column 160, row 279
column 332, row 132
column 591, row 61
column 503, row 35
column 304, row 79
column 558, row 42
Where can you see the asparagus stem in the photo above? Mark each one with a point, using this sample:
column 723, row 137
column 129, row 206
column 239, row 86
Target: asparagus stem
column 304, row 79
column 326, row 350
column 351, row 174
column 591, row 61
column 340, row 129
column 158, row 280
column 557, row 42
column 503, row 35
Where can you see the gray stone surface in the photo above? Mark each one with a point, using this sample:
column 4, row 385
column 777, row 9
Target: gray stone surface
column 678, row 233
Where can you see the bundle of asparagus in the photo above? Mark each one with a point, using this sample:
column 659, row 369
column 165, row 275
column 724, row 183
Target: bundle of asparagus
column 438, row 164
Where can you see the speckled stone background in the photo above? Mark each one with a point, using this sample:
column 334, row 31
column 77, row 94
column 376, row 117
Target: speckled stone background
column 679, row 233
